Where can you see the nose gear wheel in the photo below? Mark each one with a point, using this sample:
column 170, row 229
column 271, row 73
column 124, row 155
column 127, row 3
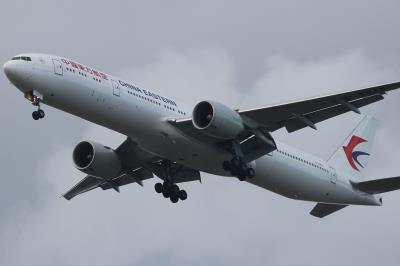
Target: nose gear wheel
column 39, row 114
column 35, row 98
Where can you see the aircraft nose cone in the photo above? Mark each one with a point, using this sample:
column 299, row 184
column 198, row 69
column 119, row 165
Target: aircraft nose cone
column 18, row 74
column 8, row 69
column 14, row 73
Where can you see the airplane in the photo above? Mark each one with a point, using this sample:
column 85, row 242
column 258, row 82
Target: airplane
column 175, row 142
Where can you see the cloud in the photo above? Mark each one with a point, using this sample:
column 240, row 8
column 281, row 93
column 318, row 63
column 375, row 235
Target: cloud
column 224, row 221
column 193, row 76
column 336, row 73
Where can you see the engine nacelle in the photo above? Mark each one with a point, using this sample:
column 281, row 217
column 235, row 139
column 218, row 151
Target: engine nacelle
column 217, row 120
column 97, row 160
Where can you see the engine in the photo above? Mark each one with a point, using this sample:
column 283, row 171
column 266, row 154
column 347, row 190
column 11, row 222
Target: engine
column 97, row 160
column 217, row 120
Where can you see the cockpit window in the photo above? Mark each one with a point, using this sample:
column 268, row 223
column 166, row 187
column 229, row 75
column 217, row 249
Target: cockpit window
column 25, row 58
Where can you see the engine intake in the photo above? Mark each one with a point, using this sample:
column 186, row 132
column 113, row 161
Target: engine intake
column 217, row 120
column 97, row 160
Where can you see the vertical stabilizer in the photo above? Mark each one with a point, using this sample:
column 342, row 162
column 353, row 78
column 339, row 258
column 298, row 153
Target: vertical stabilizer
column 352, row 157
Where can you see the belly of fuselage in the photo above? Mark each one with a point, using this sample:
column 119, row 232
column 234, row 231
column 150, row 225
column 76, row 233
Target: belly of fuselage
column 297, row 181
column 146, row 125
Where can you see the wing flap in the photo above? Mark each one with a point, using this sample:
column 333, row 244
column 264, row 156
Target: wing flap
column 128, row 178
column 321, row 115
column 323, row 209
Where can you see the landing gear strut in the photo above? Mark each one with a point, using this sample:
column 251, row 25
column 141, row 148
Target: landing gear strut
column 169, row 189
column 237, row 167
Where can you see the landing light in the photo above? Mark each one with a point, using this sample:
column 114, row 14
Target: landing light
column 29, row 95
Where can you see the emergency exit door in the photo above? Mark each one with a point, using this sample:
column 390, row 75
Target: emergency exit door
column 116, row 89
column 58, row 69
column 333, row 175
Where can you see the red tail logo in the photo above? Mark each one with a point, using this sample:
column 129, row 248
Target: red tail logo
column 352, row 156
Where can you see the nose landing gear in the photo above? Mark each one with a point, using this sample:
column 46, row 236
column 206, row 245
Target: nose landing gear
column 35, row 98
column 39, row 114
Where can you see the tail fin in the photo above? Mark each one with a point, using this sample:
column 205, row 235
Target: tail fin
column 352, row 157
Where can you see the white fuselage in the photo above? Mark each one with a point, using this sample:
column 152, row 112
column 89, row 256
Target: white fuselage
column 142, row 115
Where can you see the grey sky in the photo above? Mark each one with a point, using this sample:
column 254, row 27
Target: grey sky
column 244, row 53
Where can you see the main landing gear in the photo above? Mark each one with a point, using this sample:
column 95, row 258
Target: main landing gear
column 169, row 189
column 237, row 166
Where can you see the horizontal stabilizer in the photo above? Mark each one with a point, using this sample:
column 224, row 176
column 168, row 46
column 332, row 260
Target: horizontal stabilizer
column 323, row 209
column 379, row 186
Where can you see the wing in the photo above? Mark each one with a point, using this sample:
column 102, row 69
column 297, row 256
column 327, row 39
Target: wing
column 256, row 140
column 322, row 209
column 254, row 143
column 138, row 165
column 308, row 112
column 133, row 156
column 86, row 184
column 91, row 182
column 133, row 160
